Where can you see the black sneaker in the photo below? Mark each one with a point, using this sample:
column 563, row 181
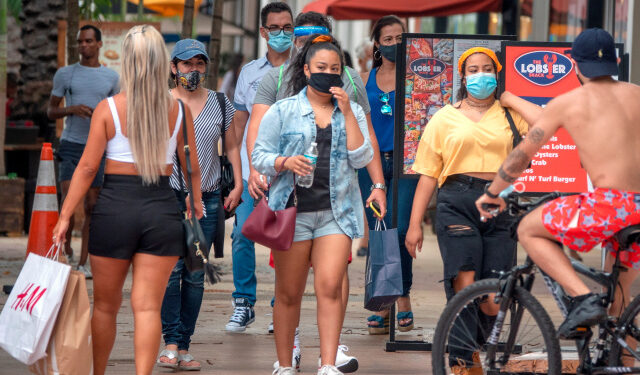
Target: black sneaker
column 585, row 311
column 243, row 315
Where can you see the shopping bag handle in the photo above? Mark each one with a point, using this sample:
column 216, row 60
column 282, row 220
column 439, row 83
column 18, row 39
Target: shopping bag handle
column 379, row 226
column 53, row 254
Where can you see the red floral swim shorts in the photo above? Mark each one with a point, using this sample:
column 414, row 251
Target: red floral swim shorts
column 582, row 221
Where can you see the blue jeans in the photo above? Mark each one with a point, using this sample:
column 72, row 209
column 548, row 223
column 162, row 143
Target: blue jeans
column 243, row 252
column 183, row 297
column 406, row 190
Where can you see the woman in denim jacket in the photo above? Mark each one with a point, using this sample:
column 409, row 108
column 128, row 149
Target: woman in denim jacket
column 330, row 211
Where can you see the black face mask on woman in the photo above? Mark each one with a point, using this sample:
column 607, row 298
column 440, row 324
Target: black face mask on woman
column 324, row 81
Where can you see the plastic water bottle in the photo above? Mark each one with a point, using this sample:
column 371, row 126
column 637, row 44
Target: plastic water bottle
column 312, row 155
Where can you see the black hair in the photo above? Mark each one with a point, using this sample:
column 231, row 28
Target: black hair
column 462, row 91
column 96, row 32
column 296, row 68
column 347, row 59
column 277, row 7
column 375, row 35
column 176, row 60
column 313, row 18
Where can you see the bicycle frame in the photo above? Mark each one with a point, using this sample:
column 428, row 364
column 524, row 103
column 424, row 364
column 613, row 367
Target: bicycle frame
column 524, row 276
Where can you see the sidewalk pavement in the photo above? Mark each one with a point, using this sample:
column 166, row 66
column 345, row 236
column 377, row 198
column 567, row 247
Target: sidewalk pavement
column 253, row 352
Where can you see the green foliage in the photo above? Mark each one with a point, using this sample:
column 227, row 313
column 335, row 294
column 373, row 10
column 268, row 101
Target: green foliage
column 15, row 7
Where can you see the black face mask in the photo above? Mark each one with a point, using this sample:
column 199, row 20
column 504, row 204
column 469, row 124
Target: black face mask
column 389, row 52
column 324, row 81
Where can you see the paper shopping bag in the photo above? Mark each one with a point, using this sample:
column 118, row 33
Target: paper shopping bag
column 30, row 313
column 70, row 351
column 383, row 273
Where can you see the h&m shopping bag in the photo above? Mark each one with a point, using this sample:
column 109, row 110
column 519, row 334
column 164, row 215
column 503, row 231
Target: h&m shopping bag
column 383, row 274
column 30, row 313
column 70, row 350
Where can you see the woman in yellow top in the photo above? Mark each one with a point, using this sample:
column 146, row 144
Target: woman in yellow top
column 460, row 152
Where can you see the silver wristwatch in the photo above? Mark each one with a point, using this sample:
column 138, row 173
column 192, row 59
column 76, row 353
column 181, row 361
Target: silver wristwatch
column 380, row 186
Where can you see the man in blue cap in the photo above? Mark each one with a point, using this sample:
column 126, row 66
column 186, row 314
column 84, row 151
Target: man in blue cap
column 602, row 117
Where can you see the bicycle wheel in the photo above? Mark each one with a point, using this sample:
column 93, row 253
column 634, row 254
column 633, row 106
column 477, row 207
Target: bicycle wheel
column 629, row 331
column 463, row 330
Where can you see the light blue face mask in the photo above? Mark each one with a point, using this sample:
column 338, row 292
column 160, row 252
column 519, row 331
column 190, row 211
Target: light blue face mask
column 481, row 85
column 280, row 42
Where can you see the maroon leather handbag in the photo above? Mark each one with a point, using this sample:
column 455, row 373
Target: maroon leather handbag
column 273, row 229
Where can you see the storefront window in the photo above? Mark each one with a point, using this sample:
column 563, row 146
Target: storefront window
column 567, row 19
column 620, row 27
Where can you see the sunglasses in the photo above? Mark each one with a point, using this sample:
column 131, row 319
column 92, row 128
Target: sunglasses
column 386, row 108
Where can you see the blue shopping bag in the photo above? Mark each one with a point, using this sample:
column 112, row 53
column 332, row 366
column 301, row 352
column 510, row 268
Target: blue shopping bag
column 383, row 277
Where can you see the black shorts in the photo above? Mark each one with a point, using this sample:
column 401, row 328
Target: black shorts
column 466, row 243
column 130, row 218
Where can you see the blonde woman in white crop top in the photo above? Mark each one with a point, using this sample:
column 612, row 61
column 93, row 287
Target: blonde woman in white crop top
column 136, row 221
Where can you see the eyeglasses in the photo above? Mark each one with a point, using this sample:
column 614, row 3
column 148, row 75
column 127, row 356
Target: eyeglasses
column 275, row 30
column 386, row 108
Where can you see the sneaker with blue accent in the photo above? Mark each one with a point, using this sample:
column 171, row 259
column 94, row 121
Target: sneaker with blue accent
column 243, row 315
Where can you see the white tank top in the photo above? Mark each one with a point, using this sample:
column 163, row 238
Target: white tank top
column 118, row 147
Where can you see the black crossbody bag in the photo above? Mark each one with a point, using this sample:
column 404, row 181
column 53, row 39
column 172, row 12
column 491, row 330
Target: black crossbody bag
column 197, row 246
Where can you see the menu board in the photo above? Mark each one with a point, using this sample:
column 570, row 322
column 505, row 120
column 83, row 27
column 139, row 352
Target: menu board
column 428, row 76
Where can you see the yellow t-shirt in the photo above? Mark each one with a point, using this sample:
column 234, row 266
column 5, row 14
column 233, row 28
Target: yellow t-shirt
column 452, row 143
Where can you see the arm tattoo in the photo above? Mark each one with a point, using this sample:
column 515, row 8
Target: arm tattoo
column 505, row 176
column 536, row 135
column 516, row 162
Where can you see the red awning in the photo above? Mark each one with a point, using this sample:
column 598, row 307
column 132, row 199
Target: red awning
column 374, row 9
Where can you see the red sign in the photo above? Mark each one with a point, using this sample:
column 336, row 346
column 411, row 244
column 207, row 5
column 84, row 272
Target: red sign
column 539, row 73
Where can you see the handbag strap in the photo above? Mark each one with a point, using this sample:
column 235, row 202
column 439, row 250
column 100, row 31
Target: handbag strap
column 517, row 138
column 223, row 109
column 187, row 154
column 295, row 192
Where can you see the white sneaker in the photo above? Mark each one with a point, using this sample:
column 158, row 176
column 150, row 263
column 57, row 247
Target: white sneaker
column 329, row 370
column 284, row 371
column 270, row 329
column 296, row 354
column 85, row 270
column 344, row 362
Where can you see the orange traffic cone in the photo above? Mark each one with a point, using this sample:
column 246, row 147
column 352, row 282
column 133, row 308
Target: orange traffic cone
column 44, row 215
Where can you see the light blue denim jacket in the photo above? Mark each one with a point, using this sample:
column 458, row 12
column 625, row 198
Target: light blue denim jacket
column 287, row 129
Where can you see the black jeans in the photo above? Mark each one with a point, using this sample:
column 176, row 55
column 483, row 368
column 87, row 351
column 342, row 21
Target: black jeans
column 468, row 244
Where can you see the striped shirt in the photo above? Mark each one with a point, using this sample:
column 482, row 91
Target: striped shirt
column 208, row 126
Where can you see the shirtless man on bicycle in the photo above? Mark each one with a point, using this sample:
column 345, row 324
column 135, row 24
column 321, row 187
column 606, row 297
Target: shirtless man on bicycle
column 603, row 118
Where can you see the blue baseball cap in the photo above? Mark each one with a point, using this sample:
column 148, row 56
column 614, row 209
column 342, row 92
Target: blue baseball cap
column 595, row 52
column 188, row 48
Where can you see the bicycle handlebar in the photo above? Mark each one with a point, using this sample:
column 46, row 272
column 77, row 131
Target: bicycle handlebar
column 519, row 204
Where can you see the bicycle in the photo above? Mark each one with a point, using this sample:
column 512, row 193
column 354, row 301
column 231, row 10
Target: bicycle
column 521, row 337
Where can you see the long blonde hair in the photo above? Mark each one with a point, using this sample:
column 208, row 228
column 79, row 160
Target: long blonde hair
column 145, row 68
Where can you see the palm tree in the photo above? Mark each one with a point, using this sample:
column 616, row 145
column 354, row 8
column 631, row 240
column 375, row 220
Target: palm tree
column 187, row 20
column 73, row 18
column 3, row 81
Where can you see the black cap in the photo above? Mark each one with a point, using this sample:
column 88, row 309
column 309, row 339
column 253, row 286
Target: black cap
column 595, row 52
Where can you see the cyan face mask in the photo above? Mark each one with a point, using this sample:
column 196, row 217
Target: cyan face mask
column 280, row 42
column 481, row 85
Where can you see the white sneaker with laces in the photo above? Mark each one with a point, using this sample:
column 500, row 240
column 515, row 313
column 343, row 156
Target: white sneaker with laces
column 344, row 362
column 284, row 371
column 85, row 270
column 329, row 370
column 296, row 354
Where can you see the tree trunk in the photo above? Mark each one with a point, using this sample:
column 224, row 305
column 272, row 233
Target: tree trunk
column 73, row 17
column 3, row 81
column 187, row 20
column 123, row 10
column 140, row 9
column 214, row 45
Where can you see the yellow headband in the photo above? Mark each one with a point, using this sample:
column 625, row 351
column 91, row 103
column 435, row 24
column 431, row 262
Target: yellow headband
column 486, row 51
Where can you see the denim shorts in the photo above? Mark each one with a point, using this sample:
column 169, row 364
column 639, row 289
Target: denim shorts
column 311, row 225
column 68, row 156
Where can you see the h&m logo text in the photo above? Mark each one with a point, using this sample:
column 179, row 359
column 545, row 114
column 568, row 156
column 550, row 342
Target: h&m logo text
column 29, row 298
